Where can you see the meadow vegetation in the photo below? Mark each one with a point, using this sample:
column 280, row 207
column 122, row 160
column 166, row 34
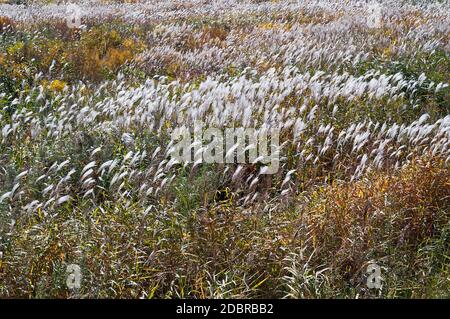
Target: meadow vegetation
column 86, row 177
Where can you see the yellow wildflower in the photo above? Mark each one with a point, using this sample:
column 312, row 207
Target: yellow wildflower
column 57, row 85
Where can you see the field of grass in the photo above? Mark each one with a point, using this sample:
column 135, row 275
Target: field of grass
column 86, row 177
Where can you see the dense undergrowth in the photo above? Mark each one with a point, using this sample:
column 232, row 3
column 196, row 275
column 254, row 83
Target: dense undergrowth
column 85, row 177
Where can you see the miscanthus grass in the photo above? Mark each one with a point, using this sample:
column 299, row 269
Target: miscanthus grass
column 86, row 175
